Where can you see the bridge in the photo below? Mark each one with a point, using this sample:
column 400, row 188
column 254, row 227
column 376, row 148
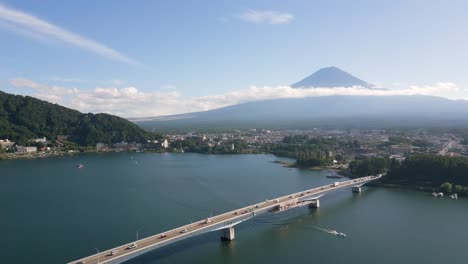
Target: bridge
column 223, row 222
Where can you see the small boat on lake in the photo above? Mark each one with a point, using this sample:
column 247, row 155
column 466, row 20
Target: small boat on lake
column 331, row 232
column 336, row 233
column 80, row 165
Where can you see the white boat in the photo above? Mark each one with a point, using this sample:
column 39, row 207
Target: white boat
column 331, row 232
column 336, row 233
column 341, row 234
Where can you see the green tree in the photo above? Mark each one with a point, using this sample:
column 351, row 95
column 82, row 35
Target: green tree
column 458, row 189
column 23, row 118
column 446, row 186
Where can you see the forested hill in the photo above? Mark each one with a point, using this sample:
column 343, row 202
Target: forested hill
column 24, row 117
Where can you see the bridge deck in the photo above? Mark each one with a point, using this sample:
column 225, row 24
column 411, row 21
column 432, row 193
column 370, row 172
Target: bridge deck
column 217, row 222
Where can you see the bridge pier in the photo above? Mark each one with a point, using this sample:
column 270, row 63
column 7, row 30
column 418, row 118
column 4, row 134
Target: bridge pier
column 315, row 204
column 356, row 189
column 228, row 234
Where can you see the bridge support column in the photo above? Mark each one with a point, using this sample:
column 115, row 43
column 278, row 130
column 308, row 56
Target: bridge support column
column 357, row 189
column 315, row 204
column 228, row 234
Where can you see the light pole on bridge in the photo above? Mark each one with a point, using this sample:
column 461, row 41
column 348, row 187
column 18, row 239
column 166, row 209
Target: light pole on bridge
column 138, row 230
column 97, row 254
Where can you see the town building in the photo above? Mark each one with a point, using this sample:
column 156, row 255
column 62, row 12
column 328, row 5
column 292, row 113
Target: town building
column 5, row 143
column 21, row 149
column 39, row 140
column 401, row 149
column 165, row 144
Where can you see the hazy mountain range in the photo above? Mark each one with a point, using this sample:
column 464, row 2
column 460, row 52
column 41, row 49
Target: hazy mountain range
column 325, row 111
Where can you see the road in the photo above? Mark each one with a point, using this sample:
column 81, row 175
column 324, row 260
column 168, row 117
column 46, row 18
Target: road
column 217, row 222
column 445, row 150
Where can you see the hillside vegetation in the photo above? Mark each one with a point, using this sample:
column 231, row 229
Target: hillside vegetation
column 445, row 173
column 24, row 117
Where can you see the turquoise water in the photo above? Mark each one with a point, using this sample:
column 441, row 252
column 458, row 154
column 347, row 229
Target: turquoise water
column 52, row 212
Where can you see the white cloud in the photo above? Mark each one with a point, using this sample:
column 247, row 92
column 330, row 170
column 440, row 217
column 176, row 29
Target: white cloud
column 53, row 94
column 66, row 79
column 131, row 102
column 31, row 26
column 270, row 17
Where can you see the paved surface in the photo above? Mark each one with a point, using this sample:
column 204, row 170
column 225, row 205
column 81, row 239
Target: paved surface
column 445, row 150
column 217, row 222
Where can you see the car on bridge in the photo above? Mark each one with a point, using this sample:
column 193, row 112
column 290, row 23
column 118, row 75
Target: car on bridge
column 132, row 245
column 114, row 252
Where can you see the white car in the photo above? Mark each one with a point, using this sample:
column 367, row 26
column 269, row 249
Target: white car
column 133, row 245
column 114, row 252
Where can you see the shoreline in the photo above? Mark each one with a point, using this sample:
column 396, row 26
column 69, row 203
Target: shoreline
column 420, row 188
column 37, row 155
column 50, row 154
column 290, row 164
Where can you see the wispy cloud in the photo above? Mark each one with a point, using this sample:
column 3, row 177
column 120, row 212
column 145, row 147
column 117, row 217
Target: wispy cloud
column 31, row 26
column 131, row 102
column 53, row 94
column 269, row 17
column 66, row 79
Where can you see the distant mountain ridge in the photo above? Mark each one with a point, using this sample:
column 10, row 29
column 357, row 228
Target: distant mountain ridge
column 331, row 77
column 337, row 111
column 325, row 111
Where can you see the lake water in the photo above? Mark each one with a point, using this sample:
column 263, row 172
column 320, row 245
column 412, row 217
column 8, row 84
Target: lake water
column 53, row 212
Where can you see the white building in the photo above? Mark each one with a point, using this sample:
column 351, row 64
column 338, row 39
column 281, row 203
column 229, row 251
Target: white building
column 5, row 143
column 165, row 144
column 22, row 149
column 39, row 140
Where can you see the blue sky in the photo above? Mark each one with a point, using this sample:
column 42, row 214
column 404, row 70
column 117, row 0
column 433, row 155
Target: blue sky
column 198, row 53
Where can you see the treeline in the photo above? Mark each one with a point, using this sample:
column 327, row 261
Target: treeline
column 310, row 151
column 24, row 117
column 428, row 169
column 372, row 166
column 313, row 156
column 421, row 170
column 197, row 145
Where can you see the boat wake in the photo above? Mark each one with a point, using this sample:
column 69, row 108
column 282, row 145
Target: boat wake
column 331, row 232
